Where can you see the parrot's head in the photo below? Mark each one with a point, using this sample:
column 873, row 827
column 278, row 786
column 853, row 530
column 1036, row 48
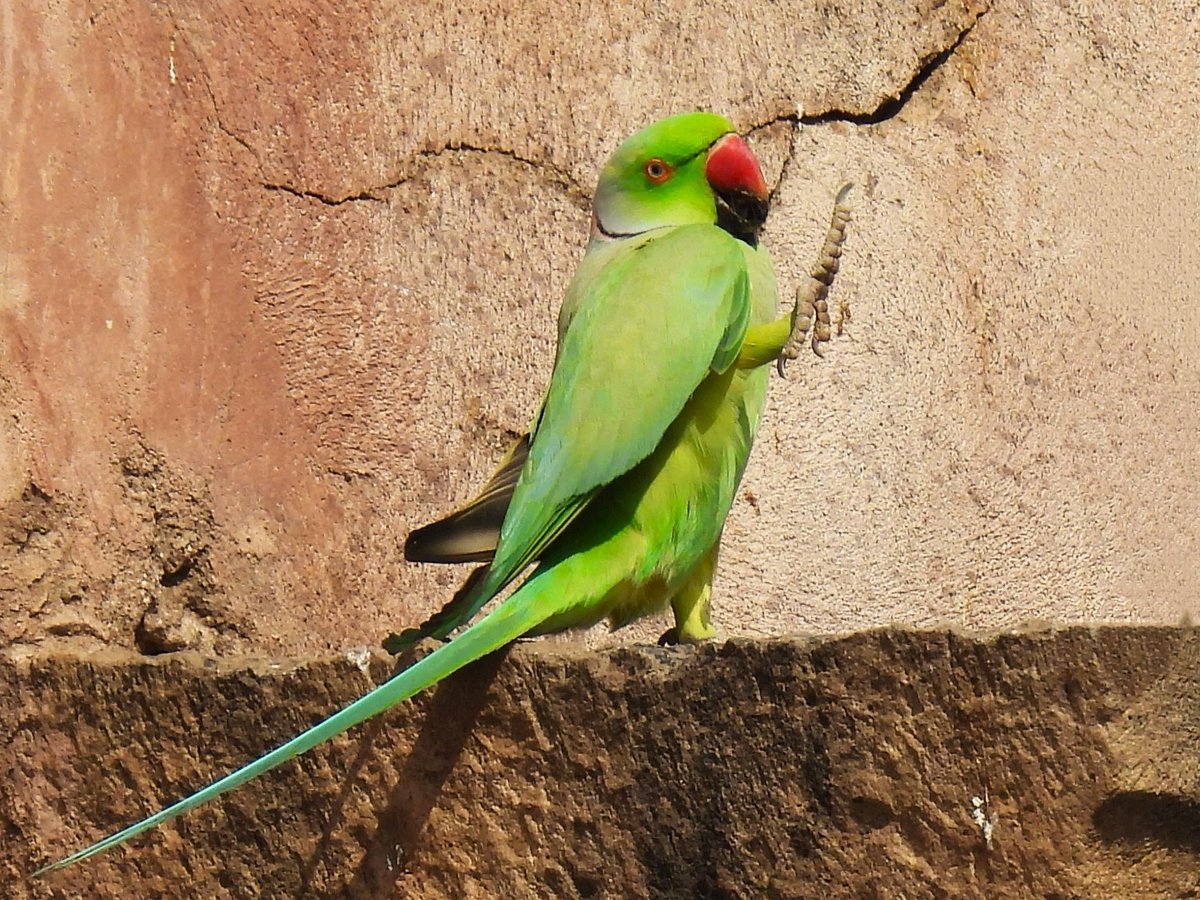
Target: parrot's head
column 685, row 170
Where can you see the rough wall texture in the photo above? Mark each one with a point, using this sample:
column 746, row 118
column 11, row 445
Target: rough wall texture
column 783, row 768
column 278, row 281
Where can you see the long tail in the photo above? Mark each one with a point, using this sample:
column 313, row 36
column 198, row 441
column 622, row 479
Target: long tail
column 508, row 622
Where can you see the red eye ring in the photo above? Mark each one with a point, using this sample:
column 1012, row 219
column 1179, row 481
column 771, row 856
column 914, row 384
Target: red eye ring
column 658, row 171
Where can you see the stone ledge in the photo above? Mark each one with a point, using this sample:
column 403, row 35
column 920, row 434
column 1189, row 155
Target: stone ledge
column 858, row 765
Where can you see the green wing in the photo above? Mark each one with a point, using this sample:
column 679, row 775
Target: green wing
column 645, row 321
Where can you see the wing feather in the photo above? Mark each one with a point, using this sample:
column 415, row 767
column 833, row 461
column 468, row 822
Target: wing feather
column 470, row 534
column 645, row 321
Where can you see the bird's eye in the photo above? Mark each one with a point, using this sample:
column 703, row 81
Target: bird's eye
column 658, row 171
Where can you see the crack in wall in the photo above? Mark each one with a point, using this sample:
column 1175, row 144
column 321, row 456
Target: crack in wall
column 325, row 198
column 887, row 109
column 890, row 107
column 555, row 174
column 178, row 38
column 233, row 135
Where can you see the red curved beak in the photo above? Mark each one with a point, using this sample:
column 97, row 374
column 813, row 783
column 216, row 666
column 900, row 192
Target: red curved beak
column 732, row 169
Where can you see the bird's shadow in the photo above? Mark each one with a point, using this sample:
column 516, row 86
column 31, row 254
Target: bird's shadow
column 450, row 719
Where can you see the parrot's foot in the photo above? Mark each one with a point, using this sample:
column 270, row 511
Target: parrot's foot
column 672, row 637
column 810, row 317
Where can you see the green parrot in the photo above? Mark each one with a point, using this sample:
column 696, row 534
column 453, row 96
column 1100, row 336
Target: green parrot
column 617, row 495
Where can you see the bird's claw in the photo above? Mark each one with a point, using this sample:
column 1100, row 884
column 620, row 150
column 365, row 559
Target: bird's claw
column 810, row 317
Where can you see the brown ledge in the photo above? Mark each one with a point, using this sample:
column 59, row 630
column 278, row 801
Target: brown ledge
column 863, row 765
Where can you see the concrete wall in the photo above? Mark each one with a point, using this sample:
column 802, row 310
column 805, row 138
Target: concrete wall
column 278, row 283
column 279, row 280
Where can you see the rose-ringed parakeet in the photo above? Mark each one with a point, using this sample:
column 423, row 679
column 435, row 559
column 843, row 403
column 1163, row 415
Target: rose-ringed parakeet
column 617, row 495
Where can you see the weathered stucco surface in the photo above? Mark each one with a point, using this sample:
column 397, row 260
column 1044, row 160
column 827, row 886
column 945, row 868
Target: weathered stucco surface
column 783, row 768
column 278, row 283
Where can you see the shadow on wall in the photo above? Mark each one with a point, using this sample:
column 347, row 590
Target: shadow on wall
column 1170, row 821
column 449, row 723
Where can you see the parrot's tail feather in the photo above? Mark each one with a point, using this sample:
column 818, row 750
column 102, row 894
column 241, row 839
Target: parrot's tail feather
column 502, row 626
